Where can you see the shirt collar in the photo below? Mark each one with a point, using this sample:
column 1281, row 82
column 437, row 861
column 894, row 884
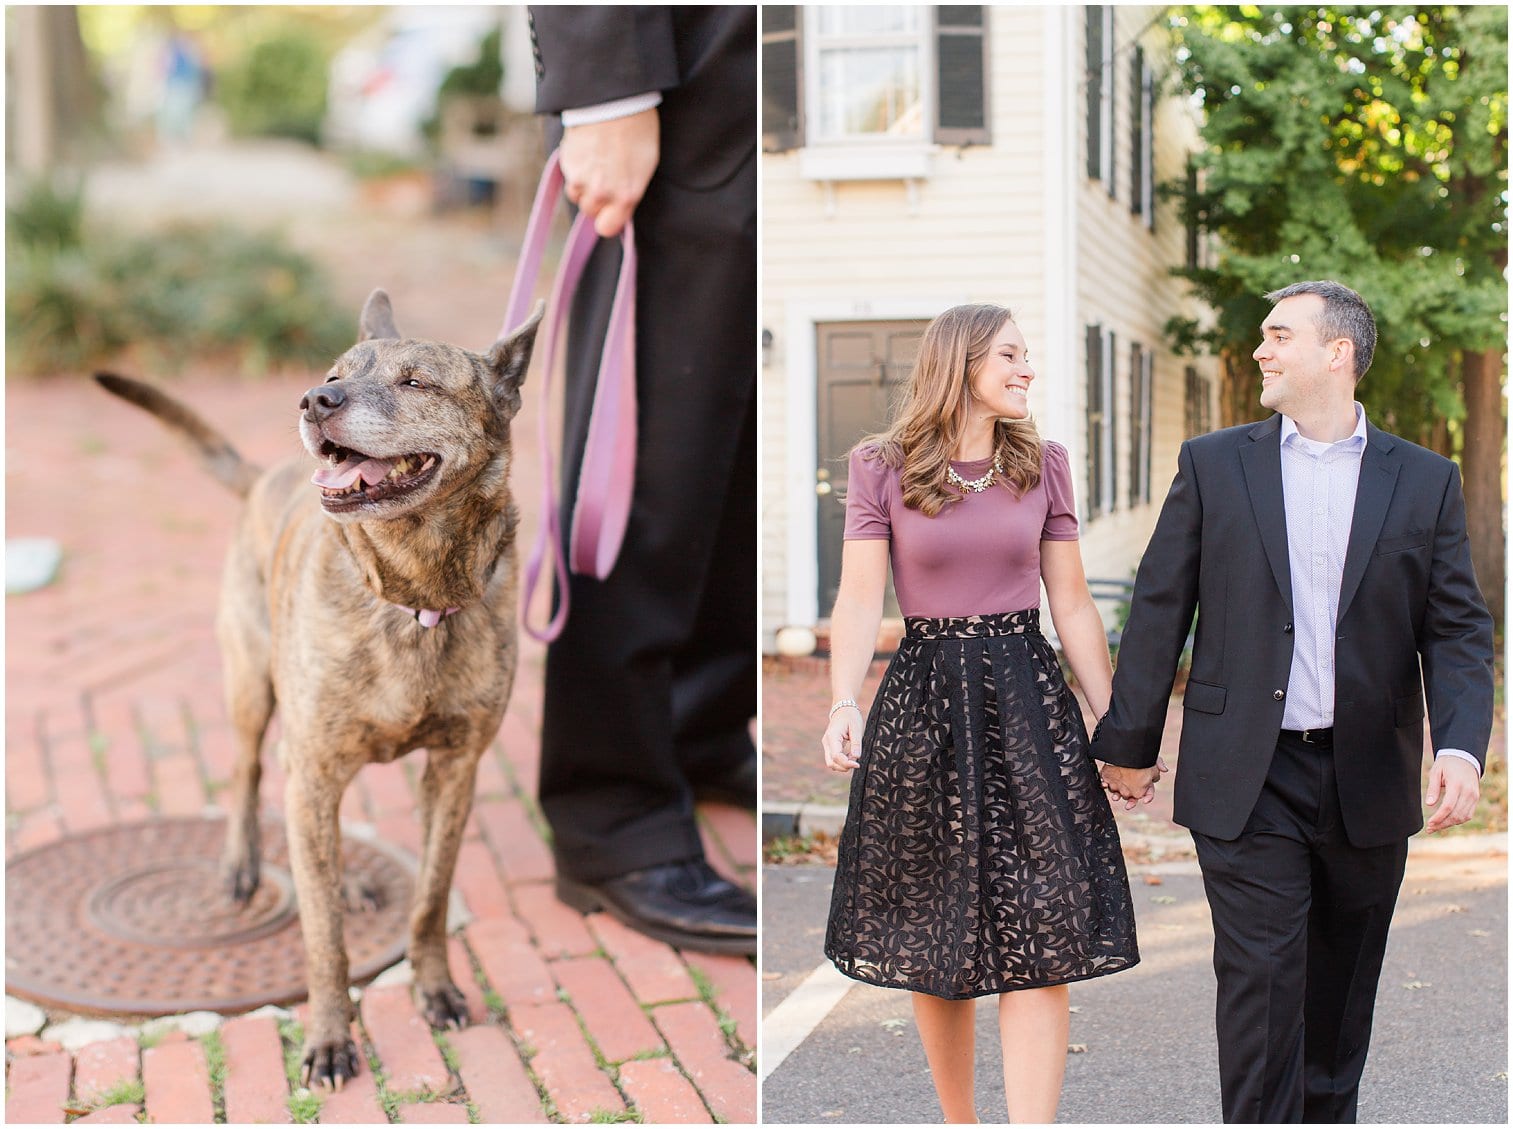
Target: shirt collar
column 1355, row 440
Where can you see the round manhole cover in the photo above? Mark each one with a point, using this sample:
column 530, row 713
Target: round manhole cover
column 132, row 919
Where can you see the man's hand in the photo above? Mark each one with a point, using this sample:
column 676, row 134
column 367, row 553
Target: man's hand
column 1455, row 786
column 607, row 166
column 1132, row 785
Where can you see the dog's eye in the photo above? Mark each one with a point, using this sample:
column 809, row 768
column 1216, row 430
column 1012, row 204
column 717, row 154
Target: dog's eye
column 412, row 382
column 329, row 379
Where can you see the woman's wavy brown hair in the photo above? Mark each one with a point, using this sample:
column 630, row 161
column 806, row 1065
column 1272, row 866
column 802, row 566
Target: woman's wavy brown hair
column 933, row 413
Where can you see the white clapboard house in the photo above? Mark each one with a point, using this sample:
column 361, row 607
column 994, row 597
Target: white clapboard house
column 917, row 157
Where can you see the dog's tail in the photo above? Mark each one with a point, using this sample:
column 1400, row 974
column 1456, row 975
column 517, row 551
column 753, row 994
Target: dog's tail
column 219, row 456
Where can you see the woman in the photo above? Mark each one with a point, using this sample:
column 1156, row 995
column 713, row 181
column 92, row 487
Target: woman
column 979, row 855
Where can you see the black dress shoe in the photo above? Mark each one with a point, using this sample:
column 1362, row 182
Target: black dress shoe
column 738, row 787
column 685, row 904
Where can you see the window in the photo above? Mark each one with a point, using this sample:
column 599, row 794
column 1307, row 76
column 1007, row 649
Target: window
column 1141, row 383
column 1197, row 417
column 780, row 77
column 1142, row 147
column 869, row 68
column 1100, row 94
column 1100, row 420
column 838, row 75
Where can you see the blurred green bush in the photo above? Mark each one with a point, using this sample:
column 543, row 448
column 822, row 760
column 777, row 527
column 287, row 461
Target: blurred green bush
column 277, row 88
column 79, row 298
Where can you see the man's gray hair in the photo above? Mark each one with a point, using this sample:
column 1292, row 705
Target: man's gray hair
column 1345, row 314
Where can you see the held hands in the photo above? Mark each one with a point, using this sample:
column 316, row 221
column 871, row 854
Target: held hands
column 843, row 739
column 1132, row 785
column 606, row 167
column 1455, row 786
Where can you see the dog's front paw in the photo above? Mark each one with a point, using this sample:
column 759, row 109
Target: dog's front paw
column 328, row 1063
column 240, row 878
column 443, row 1008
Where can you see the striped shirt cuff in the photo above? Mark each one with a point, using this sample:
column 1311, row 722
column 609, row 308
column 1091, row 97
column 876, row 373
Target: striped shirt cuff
column 609, row 111
column 1462, row 754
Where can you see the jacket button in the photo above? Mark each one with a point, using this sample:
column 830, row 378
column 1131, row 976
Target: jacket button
column 1279, row 694
column 1287, row 628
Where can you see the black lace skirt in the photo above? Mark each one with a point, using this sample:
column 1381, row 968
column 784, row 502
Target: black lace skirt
column 979, row 854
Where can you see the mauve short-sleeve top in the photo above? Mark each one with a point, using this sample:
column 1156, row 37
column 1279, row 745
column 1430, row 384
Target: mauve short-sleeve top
column 978, row 556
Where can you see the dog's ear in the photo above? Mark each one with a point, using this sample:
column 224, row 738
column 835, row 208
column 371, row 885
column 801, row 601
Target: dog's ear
column 377, row 318
column 510, row 357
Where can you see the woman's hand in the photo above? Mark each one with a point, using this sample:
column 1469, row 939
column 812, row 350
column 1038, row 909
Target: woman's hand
column 842, row 741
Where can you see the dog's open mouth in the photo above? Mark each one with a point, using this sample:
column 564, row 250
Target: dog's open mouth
column 351, row 479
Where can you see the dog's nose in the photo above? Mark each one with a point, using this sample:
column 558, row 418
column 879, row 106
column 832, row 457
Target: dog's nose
column 322, row 401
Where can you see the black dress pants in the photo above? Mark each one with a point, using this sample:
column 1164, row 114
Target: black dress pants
column 652, row 685
column 1300, row 928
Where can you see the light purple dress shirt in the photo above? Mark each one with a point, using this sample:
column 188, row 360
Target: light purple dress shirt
column 1318, row 490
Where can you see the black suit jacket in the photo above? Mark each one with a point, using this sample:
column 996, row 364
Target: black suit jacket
column 701, row 58
column 1411, row 622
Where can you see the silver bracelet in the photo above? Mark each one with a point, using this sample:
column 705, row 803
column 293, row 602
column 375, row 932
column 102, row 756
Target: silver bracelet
column 843, row 703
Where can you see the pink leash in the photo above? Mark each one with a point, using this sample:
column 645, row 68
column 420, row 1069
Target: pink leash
column 602, row 506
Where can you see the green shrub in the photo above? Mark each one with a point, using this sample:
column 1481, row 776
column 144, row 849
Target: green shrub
column 77, row 298
column 479, row 79
column 276, row 89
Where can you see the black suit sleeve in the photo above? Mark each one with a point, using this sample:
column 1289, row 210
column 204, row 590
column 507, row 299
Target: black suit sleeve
column 1456, row 646
column 590, row 54
column 1161, row 611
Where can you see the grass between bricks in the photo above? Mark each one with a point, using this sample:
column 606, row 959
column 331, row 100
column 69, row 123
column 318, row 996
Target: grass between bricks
column 615, row 1117
column 725, row 1020
column 448, row 1054
column 215, row 1064
column 303, row 1103
column 125, row 1092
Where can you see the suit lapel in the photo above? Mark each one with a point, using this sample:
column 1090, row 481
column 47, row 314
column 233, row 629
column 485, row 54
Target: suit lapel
column 1261, row 460
column 1379, row 467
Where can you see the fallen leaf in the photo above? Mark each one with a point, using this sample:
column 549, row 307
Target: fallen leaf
column 1164, row 900
column 1477, row 933
column 894, row 1024
column 1455, row 909
column 1153, row 880
column 854, row 1051
column 1414, row 985
column 1077, row 1049
column 1074, row 1009
column 1500, row 1076
column 833, row 1113
column 769, row 975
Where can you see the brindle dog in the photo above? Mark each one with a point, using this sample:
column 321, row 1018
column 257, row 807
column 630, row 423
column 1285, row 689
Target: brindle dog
column 377, row 608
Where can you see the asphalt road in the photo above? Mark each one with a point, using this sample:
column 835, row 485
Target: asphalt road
column 1439, row 1052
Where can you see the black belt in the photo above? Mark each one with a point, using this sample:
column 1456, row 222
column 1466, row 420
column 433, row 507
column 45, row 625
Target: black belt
column 1311, row 736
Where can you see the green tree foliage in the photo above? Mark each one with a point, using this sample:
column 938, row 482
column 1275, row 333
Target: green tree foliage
column 1363, row 144
column 278, row 88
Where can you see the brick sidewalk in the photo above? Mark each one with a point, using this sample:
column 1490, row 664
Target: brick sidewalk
column 114, row 714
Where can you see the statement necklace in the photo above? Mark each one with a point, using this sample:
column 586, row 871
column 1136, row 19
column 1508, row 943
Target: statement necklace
column 977, row 485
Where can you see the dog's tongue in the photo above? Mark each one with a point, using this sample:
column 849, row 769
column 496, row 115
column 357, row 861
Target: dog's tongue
column 344, row 473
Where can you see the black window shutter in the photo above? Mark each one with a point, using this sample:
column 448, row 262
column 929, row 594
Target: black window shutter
column 1137, row 420
column 961, row 69
column 1110, row 378
column 1094, row 23
column 1192, row 216
column 782, row 126
column 1113, row 99
column 1137, row 133
column 1095, row 419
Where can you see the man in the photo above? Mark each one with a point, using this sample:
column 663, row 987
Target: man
column 651, row 687
column 1329, row 566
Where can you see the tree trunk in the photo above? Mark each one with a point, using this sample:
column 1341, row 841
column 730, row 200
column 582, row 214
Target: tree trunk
column 1482, row 468
column 1238, row 401
column 55, row 98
